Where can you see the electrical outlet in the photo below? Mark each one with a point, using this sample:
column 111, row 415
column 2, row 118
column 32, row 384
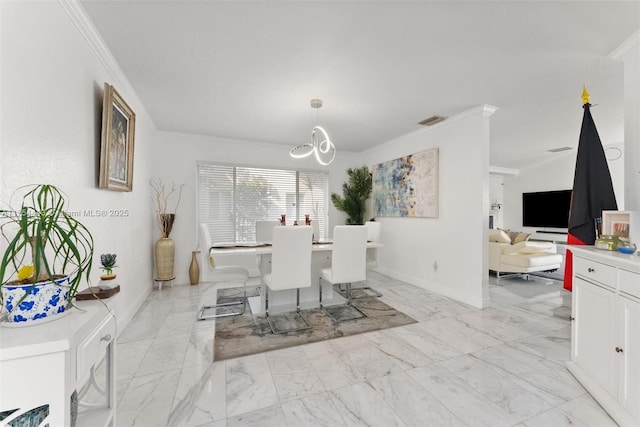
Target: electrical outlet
column 435, row 266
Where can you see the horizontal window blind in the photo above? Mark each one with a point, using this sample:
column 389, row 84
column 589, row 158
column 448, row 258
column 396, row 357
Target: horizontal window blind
column 232, row 198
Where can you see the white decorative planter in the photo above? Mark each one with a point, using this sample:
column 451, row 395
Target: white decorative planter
column 43, row 301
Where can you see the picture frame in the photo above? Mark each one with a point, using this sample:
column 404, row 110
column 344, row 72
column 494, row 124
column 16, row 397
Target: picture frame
column 117, row 142
column 624, row 224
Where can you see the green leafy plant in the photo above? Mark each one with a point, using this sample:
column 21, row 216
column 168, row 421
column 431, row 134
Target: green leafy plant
column 354, row 195
column 108, row 262
column 45, row 235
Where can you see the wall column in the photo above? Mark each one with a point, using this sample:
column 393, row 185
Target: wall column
column 629, row 53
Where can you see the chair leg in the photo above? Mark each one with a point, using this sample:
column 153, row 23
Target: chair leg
column 272, row 326
column 374, row 293
column 240, row 312
column 348, row 303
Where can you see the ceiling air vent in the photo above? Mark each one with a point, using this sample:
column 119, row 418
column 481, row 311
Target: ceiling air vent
column 432, row 120
column 559, row 149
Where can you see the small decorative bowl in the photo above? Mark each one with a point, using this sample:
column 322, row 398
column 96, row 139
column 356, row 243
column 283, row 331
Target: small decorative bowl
column 627, row 248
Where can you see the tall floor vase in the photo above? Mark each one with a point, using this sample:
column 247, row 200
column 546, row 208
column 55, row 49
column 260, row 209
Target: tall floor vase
column 165, row 254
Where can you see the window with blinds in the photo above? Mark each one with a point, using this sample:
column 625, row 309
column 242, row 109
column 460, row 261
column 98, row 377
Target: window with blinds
column 232, row 198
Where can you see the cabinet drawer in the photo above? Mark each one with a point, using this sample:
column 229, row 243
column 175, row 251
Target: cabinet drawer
column 629, row 282
column 93, row 347
column 595, row 271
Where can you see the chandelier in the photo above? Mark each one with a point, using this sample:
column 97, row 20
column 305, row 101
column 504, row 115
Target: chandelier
column 320, row 145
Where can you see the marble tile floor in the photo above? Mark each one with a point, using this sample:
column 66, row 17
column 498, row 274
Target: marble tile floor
column 459, row 366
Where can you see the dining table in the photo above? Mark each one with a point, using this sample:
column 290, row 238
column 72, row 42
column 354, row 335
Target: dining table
column 283, row 301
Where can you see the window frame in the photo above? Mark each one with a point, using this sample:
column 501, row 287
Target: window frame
column 322, row 222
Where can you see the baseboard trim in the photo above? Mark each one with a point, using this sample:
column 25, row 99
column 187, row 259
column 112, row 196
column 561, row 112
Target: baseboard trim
column 124, row 317
column 438, row 288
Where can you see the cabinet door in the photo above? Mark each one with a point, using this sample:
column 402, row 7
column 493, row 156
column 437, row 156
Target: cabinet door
column 629, row 389
column 595, row 337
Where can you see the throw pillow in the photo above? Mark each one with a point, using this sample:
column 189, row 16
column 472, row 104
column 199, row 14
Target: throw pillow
column 512, row 234
column 499, row 236
column 516, row 236
column 521, row 237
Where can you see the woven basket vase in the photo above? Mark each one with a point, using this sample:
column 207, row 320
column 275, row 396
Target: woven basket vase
column 165, row 254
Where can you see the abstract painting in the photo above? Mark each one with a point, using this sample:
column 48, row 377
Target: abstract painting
column 407, row 186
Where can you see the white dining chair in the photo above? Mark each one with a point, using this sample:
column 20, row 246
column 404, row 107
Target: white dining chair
column 348, row 265
column 264, row 230
column 225, row 273
column 374, row 233
column 290, row 269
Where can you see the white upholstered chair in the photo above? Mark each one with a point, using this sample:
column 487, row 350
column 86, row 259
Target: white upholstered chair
column 290, row 268
column 374, row 233
column 264, row 230
column 348, row 265
column 374, row 230
column 226, row 273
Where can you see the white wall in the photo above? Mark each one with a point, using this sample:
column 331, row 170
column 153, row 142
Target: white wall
column 629, row 52
column 50, row 113
column 553, row 174
column 445, row 254
column 174, row 160
column 409, row 252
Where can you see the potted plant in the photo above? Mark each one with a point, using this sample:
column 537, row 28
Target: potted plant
column 355, row 193
column 108, row 262
column 48, row 253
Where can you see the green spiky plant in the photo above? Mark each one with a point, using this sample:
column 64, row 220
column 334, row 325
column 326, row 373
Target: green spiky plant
column 354, row 195
column 45, row 241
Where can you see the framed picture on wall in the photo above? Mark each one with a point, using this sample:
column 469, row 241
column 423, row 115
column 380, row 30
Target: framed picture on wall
column 408, row 186
column 116, row 151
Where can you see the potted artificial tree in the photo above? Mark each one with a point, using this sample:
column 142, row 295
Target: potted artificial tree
column 355, row 194
column 47, row 255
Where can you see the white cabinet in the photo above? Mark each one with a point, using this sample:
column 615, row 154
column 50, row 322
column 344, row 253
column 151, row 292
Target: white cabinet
column 593, row 341
column 629, row 387
column 605, row 335
column 43, row 366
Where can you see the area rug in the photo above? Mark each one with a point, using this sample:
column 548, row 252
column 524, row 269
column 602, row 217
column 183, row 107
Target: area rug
column 248, row 334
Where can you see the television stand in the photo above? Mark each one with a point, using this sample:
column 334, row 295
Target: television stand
column 551, row 232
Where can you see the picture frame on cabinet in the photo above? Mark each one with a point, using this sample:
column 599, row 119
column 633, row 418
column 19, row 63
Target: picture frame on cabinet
column 620, row 229
column 117, row 142
column 624, row 224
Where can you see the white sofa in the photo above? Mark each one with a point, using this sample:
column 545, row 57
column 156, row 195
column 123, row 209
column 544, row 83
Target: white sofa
column 522, row 257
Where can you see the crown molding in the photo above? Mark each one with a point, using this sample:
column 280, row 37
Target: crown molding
column 628, row 47
column 484, row 109
column 499, row 170
column 96, row 43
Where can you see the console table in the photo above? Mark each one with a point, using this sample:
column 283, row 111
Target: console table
column 605, row 333
column 49, row 370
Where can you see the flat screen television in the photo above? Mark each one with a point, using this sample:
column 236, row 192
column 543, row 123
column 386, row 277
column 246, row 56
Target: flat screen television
column 546, row 209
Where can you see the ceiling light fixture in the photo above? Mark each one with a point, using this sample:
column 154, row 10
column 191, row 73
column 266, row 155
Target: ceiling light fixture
column 324, row 150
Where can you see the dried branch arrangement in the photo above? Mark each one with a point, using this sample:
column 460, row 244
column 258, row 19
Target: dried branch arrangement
column 162, row 194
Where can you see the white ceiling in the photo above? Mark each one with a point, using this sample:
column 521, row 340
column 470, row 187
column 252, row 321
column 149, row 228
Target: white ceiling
column 247, row 70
